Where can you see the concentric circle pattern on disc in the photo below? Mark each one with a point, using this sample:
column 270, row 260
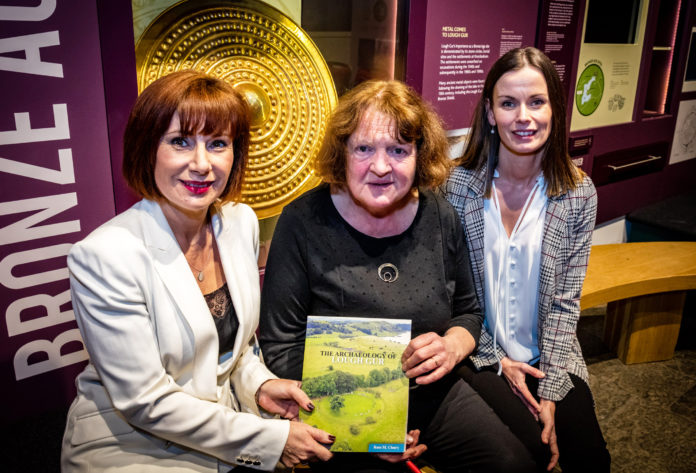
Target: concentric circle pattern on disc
column 273, row 64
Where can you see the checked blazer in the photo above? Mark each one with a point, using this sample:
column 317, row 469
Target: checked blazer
column 567, row 236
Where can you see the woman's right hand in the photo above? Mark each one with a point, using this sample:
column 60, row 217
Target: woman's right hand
column 429, row 356
column 413, row 449
column 515, row 372
column 304, row 444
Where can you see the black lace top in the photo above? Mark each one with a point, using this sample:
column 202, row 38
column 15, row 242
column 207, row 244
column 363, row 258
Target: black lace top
column 222, row 309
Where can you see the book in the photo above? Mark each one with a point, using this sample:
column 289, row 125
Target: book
column 352, row 372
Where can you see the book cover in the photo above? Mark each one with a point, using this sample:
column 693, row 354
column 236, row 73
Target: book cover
column 352, row 373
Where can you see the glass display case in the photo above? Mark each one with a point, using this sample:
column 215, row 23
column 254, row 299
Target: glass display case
column 661, row 71
column 359, row 39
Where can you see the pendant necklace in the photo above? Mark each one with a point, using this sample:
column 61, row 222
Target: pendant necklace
column 200, row 275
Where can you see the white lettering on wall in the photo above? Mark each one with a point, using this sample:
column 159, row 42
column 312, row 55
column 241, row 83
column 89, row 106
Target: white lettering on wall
column 64, row 175
column 38, row 13
column 24, row 369
column 31, row 44
column 41, row 308
column 54, row 316
column 9, row 262
column 23, row 132
column 26, row 229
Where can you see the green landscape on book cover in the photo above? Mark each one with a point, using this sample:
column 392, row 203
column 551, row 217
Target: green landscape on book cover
column 352, row 372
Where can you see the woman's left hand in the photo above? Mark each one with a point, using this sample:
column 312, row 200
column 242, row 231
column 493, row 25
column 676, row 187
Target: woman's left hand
column 283, row 397
column 515, row 373
column 548, row 434
column 429, row 357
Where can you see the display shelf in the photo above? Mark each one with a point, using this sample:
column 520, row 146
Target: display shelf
column 660, row 72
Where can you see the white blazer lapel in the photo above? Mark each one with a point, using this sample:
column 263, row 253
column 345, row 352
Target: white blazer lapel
column 173, row 270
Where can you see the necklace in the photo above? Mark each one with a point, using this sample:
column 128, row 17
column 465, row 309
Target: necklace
column 200, row 275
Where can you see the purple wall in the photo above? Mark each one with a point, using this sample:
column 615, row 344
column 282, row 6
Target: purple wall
column 56, row 184
column 454, row 43
column 120, row 85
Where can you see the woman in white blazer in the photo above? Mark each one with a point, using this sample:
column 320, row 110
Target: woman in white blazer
column 166, row 296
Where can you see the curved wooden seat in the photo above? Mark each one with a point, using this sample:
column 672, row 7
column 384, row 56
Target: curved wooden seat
column 644, row 285
column 625, row 270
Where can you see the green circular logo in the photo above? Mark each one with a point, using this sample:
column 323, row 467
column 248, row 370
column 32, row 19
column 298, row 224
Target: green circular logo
column 588, row 92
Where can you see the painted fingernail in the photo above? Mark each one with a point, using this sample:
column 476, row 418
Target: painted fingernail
column 332, row 438
column 311, row 406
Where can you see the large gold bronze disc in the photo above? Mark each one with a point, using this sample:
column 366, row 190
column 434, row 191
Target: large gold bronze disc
column 273, row 64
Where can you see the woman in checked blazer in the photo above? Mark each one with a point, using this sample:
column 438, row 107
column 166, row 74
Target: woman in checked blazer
column 528, row 215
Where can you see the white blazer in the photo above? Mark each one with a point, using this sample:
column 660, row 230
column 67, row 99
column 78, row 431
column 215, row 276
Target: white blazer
column 156, row 396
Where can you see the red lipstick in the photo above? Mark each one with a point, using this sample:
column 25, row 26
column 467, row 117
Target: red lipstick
column 197, row 187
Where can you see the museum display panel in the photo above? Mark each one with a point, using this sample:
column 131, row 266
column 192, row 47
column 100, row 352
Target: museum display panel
column 609, row 63
column 626, row 97
column 57, row 186
column 457, row 43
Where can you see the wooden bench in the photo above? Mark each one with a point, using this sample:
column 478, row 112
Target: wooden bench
column 644, row 286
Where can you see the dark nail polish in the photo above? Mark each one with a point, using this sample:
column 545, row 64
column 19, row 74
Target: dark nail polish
column 311, row 407
column 332, row 438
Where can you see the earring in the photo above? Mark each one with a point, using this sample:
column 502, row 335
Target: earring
column 492, row 131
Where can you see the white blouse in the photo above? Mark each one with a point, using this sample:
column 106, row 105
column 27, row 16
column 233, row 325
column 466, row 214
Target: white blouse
column 512, row 274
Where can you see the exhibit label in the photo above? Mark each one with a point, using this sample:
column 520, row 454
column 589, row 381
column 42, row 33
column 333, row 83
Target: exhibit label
column 462, row 41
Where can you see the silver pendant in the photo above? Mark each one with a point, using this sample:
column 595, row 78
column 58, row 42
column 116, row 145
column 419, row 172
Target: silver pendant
column 200, row 276
column 388, row 272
